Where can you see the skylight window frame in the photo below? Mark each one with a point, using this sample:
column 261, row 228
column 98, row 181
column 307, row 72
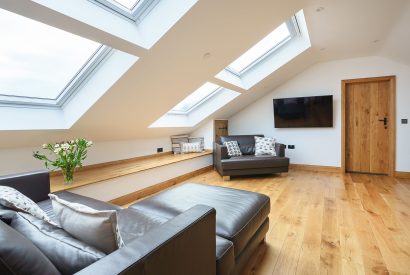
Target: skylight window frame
column 199, row 103
column 69, row 89
column 294, row 31
column 135, row 15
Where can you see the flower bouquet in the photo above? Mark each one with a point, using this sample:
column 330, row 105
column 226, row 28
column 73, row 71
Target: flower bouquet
column 69, row 155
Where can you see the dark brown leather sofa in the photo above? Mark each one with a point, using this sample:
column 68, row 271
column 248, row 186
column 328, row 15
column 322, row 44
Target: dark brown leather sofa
column 183, row 245
column 169, row 233
column 248, row 163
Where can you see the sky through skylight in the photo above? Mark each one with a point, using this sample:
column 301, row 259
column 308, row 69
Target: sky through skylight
column 37, row 60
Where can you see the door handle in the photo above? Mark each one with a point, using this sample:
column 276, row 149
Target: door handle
column 384, row 120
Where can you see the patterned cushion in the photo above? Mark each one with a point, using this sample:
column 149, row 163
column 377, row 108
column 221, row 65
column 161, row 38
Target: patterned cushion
column 198, row 139
column 11, row 198
column 96, row 228
column 233, row 148
column 190, row 147
column 264, row 146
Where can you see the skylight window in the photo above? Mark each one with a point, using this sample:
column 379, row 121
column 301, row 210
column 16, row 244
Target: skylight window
column 134, row 10
column 196, row 98
column 37, row 61
column 129, row 4
column 267, row 45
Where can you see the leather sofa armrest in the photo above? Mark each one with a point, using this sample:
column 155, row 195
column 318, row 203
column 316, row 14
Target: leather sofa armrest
column 184, row 245
column 220, row 153
column 280, row 149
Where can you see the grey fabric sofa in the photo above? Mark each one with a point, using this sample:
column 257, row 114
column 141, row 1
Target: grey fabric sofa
column 162, row 236
column 248, row 163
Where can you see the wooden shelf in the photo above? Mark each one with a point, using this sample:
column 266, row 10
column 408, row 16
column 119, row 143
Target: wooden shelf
column 105, row 171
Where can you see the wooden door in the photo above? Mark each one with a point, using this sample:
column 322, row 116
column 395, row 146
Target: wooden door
column 369, row 125
column 220, row 128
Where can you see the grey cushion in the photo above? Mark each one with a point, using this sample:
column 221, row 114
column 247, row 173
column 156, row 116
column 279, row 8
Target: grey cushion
column 248, row 162
column 96, row 228
column 18, row 255
column 239, row 213
column 68, row 254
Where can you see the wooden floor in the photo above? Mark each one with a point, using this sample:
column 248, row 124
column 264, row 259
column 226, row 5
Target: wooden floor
column 328, row 223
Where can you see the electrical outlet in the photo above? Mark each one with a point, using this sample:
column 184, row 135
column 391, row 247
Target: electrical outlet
column 404, row 121
column 160, row 150
column 291, row 146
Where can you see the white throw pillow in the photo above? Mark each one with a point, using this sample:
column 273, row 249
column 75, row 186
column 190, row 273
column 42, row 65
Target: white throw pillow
column 11, row 198
column 96, row 228
column 233, row 148
column 264, row 146
column 191, row 147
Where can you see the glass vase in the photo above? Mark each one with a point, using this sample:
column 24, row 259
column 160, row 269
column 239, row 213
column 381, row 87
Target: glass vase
column 68, row 174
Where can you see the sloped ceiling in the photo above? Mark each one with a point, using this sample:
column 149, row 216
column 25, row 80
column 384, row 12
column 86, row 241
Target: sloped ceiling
column 175, row 66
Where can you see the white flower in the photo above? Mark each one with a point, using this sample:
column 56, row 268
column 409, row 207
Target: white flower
column 44, row 146
column 89, row 143
column 57, row 151
column 65, row 146
column 57, row 145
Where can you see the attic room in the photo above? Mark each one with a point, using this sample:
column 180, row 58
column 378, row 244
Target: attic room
column 204, row 137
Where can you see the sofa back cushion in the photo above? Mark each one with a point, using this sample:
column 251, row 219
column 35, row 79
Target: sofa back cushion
column 246, row 142
column 68, row 254
column 35, row 185
column 96, row 228
column 18, row 255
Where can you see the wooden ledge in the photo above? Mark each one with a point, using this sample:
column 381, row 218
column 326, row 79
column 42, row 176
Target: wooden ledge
column 105, row 171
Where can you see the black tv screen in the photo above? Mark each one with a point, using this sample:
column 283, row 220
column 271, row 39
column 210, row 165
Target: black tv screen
column 296, row 112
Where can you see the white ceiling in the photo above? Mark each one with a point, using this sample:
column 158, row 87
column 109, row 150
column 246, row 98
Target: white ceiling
column 175, row 66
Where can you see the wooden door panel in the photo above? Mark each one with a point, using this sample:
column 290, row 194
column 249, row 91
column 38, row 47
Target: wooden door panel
column 367, row 139
column 220, row 128
column 379, row 132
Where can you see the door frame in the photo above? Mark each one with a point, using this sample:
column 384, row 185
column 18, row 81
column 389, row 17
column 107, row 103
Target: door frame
column 392, row 118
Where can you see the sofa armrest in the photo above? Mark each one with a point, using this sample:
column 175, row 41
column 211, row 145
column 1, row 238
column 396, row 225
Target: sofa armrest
column 280, row 149
column 35, row 185
column 184, row 245
column 220, row 153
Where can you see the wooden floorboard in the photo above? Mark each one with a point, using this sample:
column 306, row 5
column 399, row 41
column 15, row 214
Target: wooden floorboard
column 330, row 223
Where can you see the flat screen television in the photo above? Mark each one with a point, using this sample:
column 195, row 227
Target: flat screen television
column 298, row 112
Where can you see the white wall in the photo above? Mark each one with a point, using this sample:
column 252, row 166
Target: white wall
column 206, row 131
column 21, row 159
column 322, row 146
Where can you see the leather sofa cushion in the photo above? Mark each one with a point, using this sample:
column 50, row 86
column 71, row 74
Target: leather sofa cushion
column 225, row 257
column 35, row 185
column 134, row 224
column 72, row 197
column 238, row 213
column 246, row 142
column 18, row 255
column 248, row 162
column 68, row 254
